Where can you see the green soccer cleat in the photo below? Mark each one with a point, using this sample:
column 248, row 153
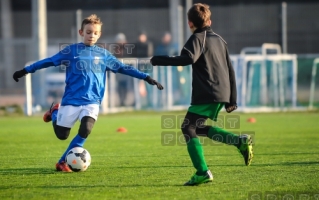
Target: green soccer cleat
column 196, row 180
column 246, row 148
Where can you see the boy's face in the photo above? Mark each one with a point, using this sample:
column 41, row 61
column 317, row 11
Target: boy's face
column 90, row 33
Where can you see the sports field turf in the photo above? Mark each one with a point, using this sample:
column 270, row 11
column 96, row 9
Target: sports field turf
column 140, row 165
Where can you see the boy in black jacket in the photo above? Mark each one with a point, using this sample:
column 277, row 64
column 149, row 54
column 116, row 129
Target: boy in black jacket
column 213, row 87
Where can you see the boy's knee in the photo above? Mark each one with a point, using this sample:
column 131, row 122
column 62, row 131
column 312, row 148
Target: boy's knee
column 62, row 136
column 185, row 129
column 61, row 132
column 188, row 131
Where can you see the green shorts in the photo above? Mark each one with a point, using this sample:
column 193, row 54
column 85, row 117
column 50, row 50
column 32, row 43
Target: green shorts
column 209, row 110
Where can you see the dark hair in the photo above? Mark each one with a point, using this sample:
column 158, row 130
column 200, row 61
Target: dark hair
column 92, row 19
column 199, row 14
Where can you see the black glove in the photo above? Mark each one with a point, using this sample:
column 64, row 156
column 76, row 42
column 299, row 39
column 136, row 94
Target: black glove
column 19, row 74
column 153, row 82
column 230, row 107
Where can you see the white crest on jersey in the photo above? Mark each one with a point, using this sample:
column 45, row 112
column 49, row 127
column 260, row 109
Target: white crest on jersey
column 96, row 60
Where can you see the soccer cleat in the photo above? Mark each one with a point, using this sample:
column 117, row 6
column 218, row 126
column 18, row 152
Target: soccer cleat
column 246, row 148
column 63, row 167
column 47, row 114
column 196, row 180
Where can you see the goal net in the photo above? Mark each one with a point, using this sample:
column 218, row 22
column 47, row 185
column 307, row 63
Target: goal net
column 266, row 79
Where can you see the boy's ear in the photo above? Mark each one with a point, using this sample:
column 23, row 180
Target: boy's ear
column 190, row 24
column 81, row 32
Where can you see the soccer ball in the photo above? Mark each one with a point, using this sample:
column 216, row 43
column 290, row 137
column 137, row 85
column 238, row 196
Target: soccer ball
column 78, row 159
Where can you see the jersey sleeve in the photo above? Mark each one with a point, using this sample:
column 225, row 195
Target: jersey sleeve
column 55, row 60
column 47, row 62
column 114, row 65
column 64, row 56
column 232, row 79
column 189, row 55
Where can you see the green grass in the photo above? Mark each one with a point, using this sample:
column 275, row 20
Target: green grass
column 136, row 165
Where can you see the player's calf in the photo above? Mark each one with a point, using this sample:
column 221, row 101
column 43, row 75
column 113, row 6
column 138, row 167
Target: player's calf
column 86, row 126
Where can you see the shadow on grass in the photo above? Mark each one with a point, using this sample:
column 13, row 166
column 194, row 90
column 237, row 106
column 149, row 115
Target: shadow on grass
column 27, row 171
column 287, row 153
column 287, row 163
column 147, row 166
column 223, row 165
column 267, row 164
column 32, row 171
column 132, row 185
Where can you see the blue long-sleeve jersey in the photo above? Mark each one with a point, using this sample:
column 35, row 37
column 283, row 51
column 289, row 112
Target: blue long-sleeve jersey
column 86, row 68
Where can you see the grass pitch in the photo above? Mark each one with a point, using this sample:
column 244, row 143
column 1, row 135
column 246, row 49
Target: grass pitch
column 139, row 164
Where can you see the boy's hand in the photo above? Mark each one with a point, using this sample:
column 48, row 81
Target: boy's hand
column 153, row 82
column 230, row 107
column 19, row 74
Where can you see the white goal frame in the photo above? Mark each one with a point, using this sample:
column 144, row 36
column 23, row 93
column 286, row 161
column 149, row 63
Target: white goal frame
column 313, row 82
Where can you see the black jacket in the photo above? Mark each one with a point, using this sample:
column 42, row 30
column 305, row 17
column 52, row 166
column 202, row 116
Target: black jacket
column 213, row 73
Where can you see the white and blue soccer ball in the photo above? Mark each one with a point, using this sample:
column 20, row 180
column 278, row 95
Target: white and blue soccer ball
column 78, row 159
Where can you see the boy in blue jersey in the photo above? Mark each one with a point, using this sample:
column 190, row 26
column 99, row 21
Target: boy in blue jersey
column 86, row 67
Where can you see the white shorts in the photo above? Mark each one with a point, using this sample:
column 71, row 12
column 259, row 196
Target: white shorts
column 67, row 115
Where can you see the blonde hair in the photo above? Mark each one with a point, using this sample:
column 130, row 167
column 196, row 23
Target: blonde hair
column 199, row 14
column 92, row 19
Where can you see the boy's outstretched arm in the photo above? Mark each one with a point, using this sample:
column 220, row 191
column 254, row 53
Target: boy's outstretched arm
column 19, row 74
column 190, row 53
column 232, row 105
column 181, row 60
column 133, row 72
column 47, row 62
column 151, row 81
column 118, row 67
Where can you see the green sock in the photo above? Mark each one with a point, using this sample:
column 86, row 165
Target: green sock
column 196, row 152
column 221, row 135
